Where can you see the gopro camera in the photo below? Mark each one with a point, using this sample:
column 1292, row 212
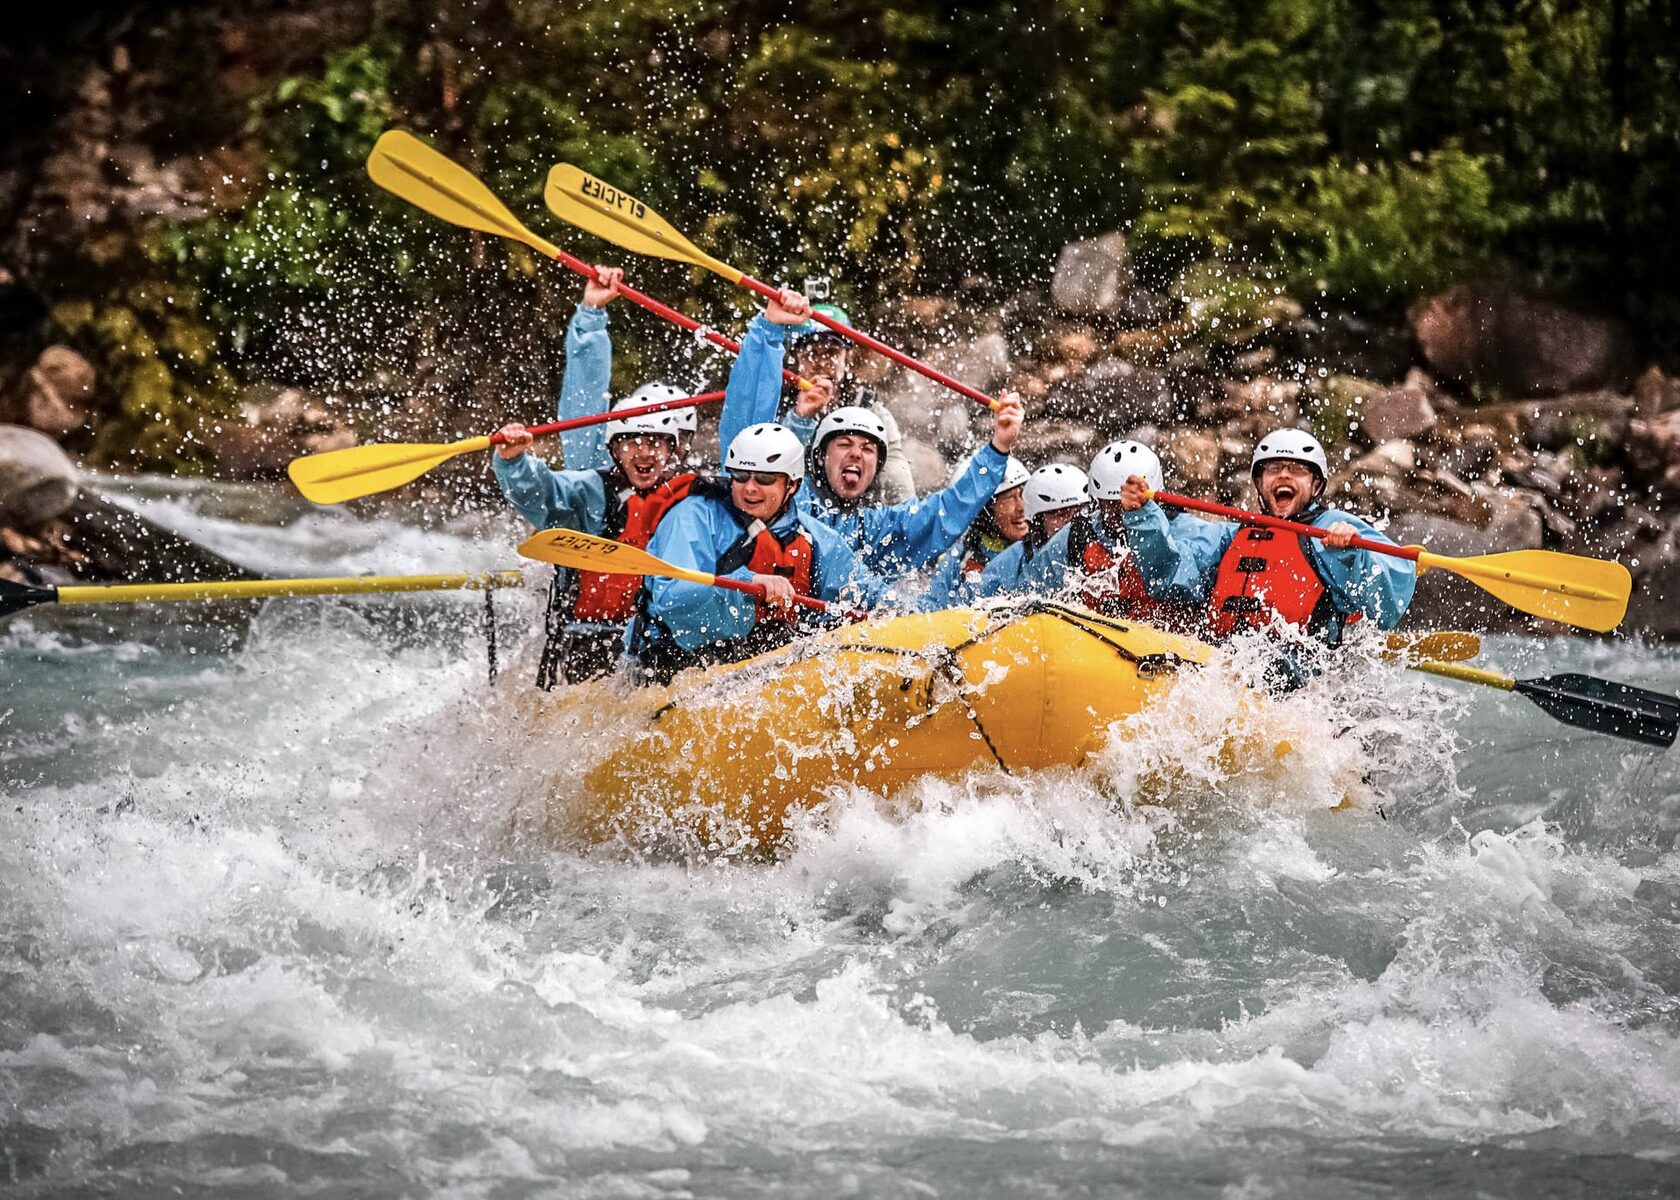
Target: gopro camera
column 817, row 287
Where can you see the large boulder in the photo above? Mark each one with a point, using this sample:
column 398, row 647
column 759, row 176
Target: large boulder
column 38, row 481
column 1116, row 393
column 1655, row 393
column 1597, row 422
column 1383, row 414
column 279, row 424
column 1653, row 450
column 1513, row 523
column 931, row 409
column 54, row 396
column 1093, row 277
column 1654, row 608
column 1495, row 337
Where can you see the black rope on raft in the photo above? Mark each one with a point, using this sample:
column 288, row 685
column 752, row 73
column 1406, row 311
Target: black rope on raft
column 490, row 630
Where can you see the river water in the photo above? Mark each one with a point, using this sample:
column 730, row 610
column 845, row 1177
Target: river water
column 267, row 928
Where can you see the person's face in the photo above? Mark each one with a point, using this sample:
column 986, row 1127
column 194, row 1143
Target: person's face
column 828, row 357
column 759, row 494
column 850, row 461
column 1055, row 520
column 1009, row 513
column 1113, row 515
column 1286, row 487
column 644, row 458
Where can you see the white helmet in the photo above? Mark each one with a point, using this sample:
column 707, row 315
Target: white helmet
column 687, row 420
column 1014, row 474
column 1296, row 445
column 851, row 419
column 1119, row 461
column 1056, row 486
column 662, row 424
column 767, row 447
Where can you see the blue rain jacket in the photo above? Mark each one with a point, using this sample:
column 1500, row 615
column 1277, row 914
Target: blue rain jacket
column 1047, row 573
column 586, row 389
column 1359, row 581
column 892, row 538
column 695, row 534
column 551, row 499
column 950, row 586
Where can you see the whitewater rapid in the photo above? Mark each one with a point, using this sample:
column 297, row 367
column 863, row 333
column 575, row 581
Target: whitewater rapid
column 269, row 925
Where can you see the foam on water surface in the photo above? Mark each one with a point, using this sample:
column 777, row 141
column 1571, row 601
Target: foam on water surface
column 275, row 916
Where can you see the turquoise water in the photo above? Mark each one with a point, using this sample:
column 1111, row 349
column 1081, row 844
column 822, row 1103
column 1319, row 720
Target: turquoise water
column 267, row 928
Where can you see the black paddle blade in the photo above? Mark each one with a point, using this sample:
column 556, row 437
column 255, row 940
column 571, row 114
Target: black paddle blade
column 1606, row 706
column 15, row 597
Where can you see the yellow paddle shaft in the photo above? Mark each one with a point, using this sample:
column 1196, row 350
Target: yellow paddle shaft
column 256, row 589
column 1481, row 570
column 1467, row 675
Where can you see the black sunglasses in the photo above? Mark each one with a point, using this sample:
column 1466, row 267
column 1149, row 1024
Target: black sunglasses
column 762, row 478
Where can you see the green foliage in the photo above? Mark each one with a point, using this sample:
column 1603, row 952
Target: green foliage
column 1387, row 231
column 160, row 357
column 1366, row 152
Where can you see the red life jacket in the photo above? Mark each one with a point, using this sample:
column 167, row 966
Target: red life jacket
column 1114, row 593
column 769, row 555
column 611, row 599
column 1266, row 571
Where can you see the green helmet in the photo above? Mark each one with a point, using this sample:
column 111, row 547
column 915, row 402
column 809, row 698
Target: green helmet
column 813, row 329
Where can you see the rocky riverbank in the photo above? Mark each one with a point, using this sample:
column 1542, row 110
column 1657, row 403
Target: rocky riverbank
column 1585, row 459
column 1485, row 419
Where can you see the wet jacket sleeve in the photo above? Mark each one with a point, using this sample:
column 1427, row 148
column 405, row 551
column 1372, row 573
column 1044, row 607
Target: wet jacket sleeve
column 1378, row 585
column 839, row 573
column 551, row 499
column 585, row 388
column 894, row 481
column 950, row 586
column 1002, row 575
column 755, row 381
column 804, row 428
column 694, row 534
column 912, row 533
column 1177, row 561
column 1046, row 573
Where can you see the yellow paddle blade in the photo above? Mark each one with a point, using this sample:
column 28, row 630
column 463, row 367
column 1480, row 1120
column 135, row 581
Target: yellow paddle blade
column 586, row 552
column 1590, row 593
column 597, row 207
column 405, row 166
column 340, row 475
column 1442, row 645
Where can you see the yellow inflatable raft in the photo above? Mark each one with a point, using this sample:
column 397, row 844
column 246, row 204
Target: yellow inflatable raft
column 732, row 750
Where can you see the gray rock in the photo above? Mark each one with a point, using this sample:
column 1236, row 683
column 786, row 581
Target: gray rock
column 55, row 395
column 1655, row 393
column 931, row 408
column 279, row 424
column 1595, row 421
column 1514, row 524
column 1389, row 413
column 1093, row 277
column 1525, row 345
column 1654, row 608
column 38, row 482
column 1117, row 393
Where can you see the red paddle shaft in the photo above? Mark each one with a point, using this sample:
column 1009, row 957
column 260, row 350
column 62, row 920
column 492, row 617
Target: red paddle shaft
column 663, row 310
column 496, row 439
column 898, row 356
column 1265, row 522
column 757, row 589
